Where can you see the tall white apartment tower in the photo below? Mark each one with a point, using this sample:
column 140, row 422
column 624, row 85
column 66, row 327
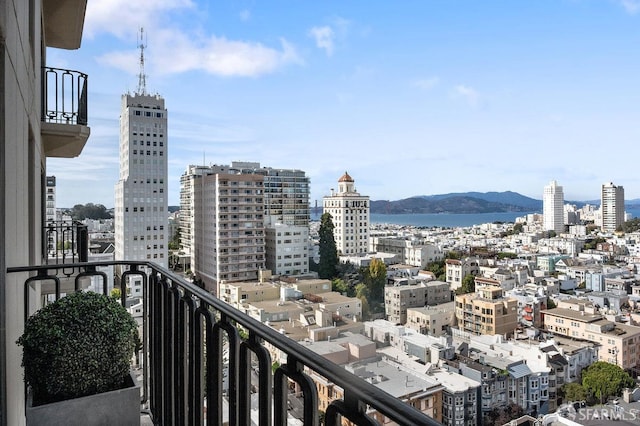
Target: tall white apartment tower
column 350, row 215
column 612, row 207
column 141, row 205
column 553, row 207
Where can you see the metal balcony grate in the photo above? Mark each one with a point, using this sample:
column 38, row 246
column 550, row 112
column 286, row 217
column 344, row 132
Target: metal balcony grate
column 198, row 369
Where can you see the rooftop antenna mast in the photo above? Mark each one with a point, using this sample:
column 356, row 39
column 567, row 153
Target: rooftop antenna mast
column 142, row 77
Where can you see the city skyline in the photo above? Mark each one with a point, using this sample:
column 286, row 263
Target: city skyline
column 428, row 99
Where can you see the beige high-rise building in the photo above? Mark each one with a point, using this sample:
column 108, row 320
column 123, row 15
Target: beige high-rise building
column 281, row 205
column 350, row 215
column 612, row 207
column 224, row 217
column 487, row 311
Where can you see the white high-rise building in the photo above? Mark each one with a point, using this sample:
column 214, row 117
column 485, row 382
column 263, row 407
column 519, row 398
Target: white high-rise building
column 612, row 207
column 141, row 205
column 553, row 208
column 350, row 216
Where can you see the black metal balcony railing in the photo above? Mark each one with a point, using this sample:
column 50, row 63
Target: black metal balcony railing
column 186, row 332
column 64, row 96
column 65, row 241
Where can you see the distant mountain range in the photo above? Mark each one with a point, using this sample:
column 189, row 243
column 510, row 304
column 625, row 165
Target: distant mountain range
column 470, row 202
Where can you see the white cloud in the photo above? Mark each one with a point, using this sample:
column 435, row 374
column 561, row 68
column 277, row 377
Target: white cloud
column 428, row 83
column 172, row 49
column 324, row 37
column 631, row 6
column 123, row 18
column 469, row 94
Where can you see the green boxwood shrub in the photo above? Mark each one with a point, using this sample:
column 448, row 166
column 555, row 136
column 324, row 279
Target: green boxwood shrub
column 80, row 345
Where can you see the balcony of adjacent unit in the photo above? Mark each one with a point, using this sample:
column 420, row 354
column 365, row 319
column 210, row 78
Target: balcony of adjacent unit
column 64, row 126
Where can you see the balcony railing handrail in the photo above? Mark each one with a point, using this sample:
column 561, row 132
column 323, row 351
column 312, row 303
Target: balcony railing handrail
column 64, row 96
column 359, row 394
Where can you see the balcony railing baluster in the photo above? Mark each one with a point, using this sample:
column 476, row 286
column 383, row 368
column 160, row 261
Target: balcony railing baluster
column 186, row 332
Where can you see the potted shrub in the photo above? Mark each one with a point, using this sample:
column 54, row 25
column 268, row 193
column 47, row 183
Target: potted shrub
column 77, row 358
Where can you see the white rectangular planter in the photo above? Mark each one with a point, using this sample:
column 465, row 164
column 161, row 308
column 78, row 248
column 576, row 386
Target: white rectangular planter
column 119, row 407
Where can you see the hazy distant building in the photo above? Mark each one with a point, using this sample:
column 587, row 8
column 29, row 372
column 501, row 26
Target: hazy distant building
column 612, row 207
column 350, row 215
column 553, row 208
column 141, row 206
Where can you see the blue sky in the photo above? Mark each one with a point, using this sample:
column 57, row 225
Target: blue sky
column 410, row 97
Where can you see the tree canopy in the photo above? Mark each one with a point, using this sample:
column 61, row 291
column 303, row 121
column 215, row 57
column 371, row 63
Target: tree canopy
column 574, row 392
column 602, row 380
column 468, row 285
column 327, row 248
column 375, row 278
column 90, row 211
column 439, row 270
column 632, row 225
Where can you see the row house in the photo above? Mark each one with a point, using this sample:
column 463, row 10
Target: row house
column 493, row 383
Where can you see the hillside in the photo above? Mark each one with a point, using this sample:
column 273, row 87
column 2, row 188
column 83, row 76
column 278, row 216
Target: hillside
column 493, row 202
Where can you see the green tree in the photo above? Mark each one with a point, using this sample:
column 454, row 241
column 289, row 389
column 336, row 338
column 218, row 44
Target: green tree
column 362, row 293
column 339, row 285
column 89, row 211
column 602, row 380
column 115, row 293
column 327, row 248
column 439, row 270
column 468, row 285
column 174, row 244
column 550, row 303
column 574, row 392
column 375, row 279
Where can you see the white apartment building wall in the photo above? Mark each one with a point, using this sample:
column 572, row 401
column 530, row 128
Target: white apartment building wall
column 612, row 207
column 141, row 205
column 350, row 215
column 28, row 31
column 286, row 248
column 553, row 207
